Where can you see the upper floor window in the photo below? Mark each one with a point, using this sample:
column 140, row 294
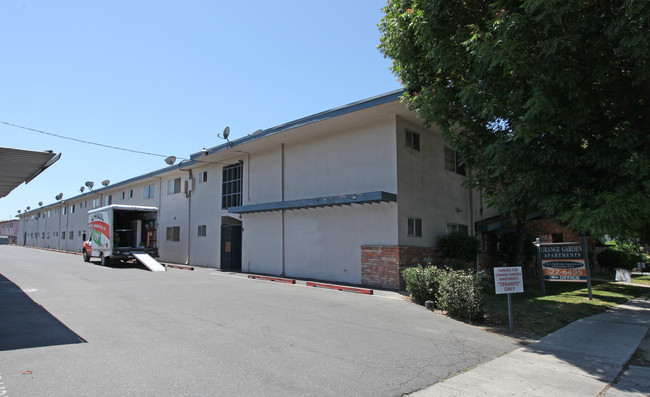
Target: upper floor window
column 148, row 192
column 203, row 177
column 231, row 186
column 109, row 200
column 413, row 140
column 174, row 186
column 452, row 162
column 96, row 202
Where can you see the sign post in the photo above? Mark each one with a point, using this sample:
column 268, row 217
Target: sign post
column 508, row 280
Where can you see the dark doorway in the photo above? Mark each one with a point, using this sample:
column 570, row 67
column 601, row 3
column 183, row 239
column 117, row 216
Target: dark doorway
column 231, row 246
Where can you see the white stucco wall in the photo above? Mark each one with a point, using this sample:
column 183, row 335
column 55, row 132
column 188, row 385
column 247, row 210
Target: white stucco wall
column 427, row 190
column 322, row 243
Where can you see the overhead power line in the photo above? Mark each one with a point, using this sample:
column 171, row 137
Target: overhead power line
column 82, row 141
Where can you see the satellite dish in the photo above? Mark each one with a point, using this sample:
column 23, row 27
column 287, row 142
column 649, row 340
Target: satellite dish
column 226, row 132
column 81, row 189
column 59, row 196
column 170, row 160
column 106, row 182
column 90, row 184
column 19, row 211
column 29, row 208
column 40, row 203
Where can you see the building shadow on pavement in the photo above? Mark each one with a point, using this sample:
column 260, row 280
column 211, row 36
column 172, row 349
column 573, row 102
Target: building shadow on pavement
column 25, row 324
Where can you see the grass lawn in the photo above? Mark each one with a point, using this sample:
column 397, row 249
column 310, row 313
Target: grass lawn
column 645, row 279
column 536, row 315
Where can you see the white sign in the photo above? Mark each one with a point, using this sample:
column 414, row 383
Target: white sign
column 508, row 280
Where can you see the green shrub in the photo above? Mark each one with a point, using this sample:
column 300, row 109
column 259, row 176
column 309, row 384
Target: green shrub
column 611, row 259
column 422, row 283
column 621, row 254
column 459, row 245
column 462, row 294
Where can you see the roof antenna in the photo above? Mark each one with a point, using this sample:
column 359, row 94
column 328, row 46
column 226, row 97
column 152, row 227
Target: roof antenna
column 226, row 133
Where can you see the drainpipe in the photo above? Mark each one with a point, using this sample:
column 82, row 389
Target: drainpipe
column 282, row 196
column 189, row 216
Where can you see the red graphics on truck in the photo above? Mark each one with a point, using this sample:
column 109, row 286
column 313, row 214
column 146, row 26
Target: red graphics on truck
column 101, row 230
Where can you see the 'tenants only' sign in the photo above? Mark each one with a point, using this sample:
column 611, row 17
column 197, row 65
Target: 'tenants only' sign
column 508, row 280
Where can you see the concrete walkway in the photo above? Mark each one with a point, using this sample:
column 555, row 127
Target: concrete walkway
column 582, row 359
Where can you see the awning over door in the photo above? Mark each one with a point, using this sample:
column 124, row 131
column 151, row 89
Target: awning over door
column 318, row 202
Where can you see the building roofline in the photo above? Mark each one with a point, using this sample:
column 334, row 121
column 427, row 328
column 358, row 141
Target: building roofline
column 321, row 116
column 325, row 115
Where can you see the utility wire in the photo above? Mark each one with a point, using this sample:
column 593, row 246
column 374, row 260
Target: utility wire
column 81, row 140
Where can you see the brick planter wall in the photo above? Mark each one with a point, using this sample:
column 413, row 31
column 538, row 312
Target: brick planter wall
column 382, row 265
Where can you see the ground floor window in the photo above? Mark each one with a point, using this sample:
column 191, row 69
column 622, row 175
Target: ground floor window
column 174, row 233
column 202, row 230
column 455, row 227
column 414, row 227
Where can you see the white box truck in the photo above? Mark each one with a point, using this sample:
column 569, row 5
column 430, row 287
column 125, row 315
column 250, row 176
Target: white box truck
column 123, row 232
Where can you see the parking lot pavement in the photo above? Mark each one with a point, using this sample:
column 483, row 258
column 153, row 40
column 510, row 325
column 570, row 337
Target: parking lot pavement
column 93, row 330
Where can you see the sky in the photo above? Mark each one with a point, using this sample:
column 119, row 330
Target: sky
column 166, row 77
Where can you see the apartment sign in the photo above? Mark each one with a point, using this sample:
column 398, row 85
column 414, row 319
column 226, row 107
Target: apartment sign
column 563, row 262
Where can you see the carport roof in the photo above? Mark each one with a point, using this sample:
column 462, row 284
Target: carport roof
column 19, row 165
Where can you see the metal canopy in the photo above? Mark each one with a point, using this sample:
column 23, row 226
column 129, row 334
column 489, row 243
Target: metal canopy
column 319, row 202
column 19, row 165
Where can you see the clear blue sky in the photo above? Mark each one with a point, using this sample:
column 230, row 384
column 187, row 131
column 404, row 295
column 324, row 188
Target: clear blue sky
column 167, row 76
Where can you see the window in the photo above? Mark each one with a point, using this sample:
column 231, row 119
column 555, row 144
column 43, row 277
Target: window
column 174, row 233
column 109, row 200
column 454, row 227
column 65, row 210
column 96, row 202
column 202, row 230
column 131, row 193
column 413, row 140
column 148, row 192
column 72, row 209
column 70, row 235
column 123, row 195
column 174, row 186
column 62, row 235
column 203, row 177
column 231, row 185
column 452, row 162
column 414, row 227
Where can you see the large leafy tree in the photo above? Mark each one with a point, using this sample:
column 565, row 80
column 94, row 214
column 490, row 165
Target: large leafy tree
column 548, row 101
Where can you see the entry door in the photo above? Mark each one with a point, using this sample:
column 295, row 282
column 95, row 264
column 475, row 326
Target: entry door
column 231, row 247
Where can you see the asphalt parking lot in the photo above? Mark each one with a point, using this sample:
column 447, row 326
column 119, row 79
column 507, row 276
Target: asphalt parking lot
column 74, row 328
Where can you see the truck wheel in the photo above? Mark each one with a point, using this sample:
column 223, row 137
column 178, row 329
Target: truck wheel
column 104, row 260
column 86, row 256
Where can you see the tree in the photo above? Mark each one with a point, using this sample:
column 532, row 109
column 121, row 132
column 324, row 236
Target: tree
column 547, row 101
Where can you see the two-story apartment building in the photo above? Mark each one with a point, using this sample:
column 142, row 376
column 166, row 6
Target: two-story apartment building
column 351, row 194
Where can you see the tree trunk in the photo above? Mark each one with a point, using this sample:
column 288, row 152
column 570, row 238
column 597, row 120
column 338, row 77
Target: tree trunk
column 520, row 242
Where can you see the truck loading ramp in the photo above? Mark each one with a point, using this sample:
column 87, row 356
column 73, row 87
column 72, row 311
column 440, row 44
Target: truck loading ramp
column 149, row 262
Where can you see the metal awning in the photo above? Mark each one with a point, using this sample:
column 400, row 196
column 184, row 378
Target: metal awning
column 19, row 165
column 318, row 202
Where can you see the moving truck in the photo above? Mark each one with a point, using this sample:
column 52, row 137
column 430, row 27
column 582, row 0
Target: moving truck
column 122, row 232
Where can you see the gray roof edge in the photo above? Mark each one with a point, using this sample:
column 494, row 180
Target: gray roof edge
column 325, row 115
column 341, row 110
